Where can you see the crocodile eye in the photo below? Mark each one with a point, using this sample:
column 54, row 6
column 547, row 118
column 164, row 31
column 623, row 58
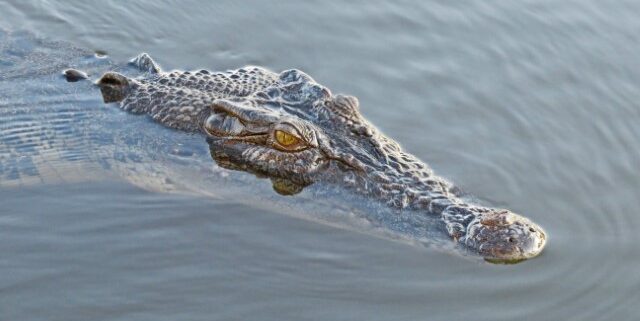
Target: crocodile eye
column 285, row 139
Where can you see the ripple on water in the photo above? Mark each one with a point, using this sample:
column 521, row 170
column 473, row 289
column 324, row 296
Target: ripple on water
column 530, row 106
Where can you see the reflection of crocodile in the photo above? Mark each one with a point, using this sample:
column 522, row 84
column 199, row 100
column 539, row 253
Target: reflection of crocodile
column 291, row 129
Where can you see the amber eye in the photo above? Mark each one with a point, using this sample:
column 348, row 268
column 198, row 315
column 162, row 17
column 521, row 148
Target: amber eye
column 286, row 139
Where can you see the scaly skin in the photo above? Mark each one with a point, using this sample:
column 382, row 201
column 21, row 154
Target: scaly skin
column 245, row 112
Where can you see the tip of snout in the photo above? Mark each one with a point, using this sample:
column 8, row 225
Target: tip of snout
column 506, row 238
column 528, row 247
column 113, row 87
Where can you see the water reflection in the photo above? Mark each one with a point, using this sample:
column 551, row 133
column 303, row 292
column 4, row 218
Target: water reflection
column 280, row 185
column 528, row 104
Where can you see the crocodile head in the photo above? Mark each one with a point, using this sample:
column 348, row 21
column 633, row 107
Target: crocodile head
column 288, row 133
column 297, row 133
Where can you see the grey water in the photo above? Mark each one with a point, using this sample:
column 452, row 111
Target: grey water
column 528, row 105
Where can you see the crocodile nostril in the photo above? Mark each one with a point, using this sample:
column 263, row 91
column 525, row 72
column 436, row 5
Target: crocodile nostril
column 512, row 240
column 531, row 229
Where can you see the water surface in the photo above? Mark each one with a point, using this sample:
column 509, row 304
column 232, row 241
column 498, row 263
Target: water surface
column 529, row 105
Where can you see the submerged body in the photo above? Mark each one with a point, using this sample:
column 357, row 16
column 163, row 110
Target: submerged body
column 289, row 128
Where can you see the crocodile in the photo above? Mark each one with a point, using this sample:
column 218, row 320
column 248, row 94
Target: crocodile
column 281, row 126
column 289, row 128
